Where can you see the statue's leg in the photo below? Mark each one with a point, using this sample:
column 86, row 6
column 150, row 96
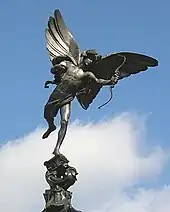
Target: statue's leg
column 65, row 114
column 50, row 112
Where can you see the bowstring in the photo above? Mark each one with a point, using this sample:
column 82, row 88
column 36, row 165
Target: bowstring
column 117, row 75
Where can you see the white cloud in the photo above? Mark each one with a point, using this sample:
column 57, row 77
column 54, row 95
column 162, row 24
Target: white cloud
column 152, row 200
column 110, row 157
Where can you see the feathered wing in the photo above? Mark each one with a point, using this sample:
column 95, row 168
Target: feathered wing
column 105, row 69
column 59, row 40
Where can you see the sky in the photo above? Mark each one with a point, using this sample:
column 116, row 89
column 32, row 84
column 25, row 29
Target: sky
column 108, row 26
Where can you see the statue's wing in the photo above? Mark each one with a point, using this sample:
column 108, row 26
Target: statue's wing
column 59, row 41
column 86, row 95
column 105, row 69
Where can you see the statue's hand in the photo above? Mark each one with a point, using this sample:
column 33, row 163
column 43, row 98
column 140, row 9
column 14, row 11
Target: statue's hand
column 47, row 83
column 114, row 81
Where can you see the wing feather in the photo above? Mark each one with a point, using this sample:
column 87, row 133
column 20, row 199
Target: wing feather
column 67, row 36
column 106, row 67
column 55, row 33
column 59, row 41
column 52, row 47
column 64, row 32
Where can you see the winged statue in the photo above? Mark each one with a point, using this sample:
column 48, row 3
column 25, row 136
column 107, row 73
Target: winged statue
column 81, row 75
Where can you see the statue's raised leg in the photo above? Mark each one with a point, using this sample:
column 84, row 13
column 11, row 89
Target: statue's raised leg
column 50, row 112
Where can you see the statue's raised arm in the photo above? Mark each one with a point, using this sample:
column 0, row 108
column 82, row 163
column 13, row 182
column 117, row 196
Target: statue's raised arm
column 117, row 65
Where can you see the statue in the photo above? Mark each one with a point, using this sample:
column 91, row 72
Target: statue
column 81, row 75
column 78, row 75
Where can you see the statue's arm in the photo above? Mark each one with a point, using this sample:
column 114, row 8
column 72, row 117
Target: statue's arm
column 91, row 76
column 57, row 78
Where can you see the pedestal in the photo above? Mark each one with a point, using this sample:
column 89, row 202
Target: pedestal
column 60, row 176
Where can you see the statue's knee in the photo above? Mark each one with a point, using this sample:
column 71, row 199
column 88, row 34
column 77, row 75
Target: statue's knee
column 64, row 123
column 48, row 111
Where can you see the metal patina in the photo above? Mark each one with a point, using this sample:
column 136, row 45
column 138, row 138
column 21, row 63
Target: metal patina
column 77, row 74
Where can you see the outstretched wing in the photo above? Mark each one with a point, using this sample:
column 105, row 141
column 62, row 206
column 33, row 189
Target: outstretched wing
column 105, row 69
column 59, row 41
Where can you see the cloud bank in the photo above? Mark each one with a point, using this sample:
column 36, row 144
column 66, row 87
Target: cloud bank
column 112, row 158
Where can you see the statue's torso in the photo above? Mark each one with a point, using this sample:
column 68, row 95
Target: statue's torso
column 73, row 76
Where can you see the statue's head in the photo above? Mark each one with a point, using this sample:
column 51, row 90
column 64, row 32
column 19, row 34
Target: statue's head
column 91, row 54
column 89, row 57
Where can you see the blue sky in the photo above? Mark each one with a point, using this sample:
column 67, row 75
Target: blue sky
column 108, row 26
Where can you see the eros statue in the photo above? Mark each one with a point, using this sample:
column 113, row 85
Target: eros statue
column 77, row 74
column 81, row 74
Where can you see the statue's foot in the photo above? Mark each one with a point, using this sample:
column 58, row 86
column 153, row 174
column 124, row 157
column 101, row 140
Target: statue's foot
column 47, row 133
column 56, row 152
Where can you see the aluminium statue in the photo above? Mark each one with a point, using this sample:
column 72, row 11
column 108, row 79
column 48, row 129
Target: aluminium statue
column 81, row 74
